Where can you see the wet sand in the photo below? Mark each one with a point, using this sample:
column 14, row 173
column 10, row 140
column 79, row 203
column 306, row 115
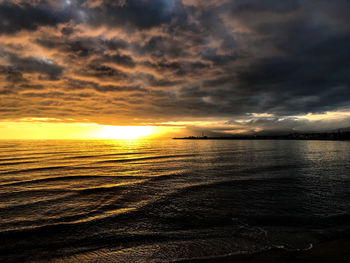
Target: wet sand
column 335, row 251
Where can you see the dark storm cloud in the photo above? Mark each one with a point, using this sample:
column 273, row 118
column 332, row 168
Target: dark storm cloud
column 140, row 14
column 103, row 72
column 321, row 70
column 11, row 74
column 182, row 59
column 33, row 65
column 265, row 6
column 113, row 88
column 85, row 46
column 123, row 60
column 74, row 84
column 163, row 82
column 178, row 68
column 211, row 55
column 16, row 16
column 163, row 47
column 20, row 65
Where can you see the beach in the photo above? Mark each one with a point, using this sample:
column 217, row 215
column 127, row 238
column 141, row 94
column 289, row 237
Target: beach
column 335, row 251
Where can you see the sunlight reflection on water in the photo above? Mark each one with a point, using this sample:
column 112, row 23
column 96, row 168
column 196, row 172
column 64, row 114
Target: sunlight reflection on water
column 175, row 196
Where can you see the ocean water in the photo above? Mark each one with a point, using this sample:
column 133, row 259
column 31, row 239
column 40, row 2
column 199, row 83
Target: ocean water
column 167, row 200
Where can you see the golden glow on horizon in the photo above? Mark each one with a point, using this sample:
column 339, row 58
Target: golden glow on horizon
column 329, row 115
column 37, row 130
column 43, row 128
column 124, row 132
column 52, row 128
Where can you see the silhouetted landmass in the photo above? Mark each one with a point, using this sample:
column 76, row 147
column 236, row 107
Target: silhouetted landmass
column 292, row 136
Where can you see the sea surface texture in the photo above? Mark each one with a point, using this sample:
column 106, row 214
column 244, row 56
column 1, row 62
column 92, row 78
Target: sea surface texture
column 167, row 200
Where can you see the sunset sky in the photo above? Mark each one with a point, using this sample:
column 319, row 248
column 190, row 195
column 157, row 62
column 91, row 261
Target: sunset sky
column 77, row 68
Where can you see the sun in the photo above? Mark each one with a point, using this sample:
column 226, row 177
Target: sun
column 124, row 132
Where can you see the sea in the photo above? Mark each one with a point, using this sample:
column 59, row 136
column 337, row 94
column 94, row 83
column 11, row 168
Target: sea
column 169, row 200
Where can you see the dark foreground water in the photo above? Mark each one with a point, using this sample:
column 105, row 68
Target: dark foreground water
column 159, row 201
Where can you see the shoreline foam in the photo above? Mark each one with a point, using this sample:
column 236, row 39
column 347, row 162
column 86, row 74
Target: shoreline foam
column 330, row 251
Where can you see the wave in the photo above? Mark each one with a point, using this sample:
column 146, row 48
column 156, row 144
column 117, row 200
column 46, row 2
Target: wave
column 310, row 221
column 69, row 178
column 15, row 163
column 104, row 155
column 17, row 158
column 28, row 193
column 271, row 168
column 38, row 169
column 255, row 252
column 148, row 158
column 74, row 221
column 30, row 203
column 110, row 211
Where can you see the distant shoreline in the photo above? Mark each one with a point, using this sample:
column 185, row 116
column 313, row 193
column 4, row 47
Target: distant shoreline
column 338, row 136
column 257, row 139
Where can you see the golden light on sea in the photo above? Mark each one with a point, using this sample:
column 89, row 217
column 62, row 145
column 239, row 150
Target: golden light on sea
column 124, row 132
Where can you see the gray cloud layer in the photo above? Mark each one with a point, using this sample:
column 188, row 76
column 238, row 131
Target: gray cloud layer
column 172, row 60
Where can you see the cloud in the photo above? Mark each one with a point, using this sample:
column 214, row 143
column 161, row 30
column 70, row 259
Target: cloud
column 140, row 14
column 20, row 65
column 16, row 16
column 172, row 60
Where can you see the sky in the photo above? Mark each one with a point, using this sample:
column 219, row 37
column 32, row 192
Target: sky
column 69, row 68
